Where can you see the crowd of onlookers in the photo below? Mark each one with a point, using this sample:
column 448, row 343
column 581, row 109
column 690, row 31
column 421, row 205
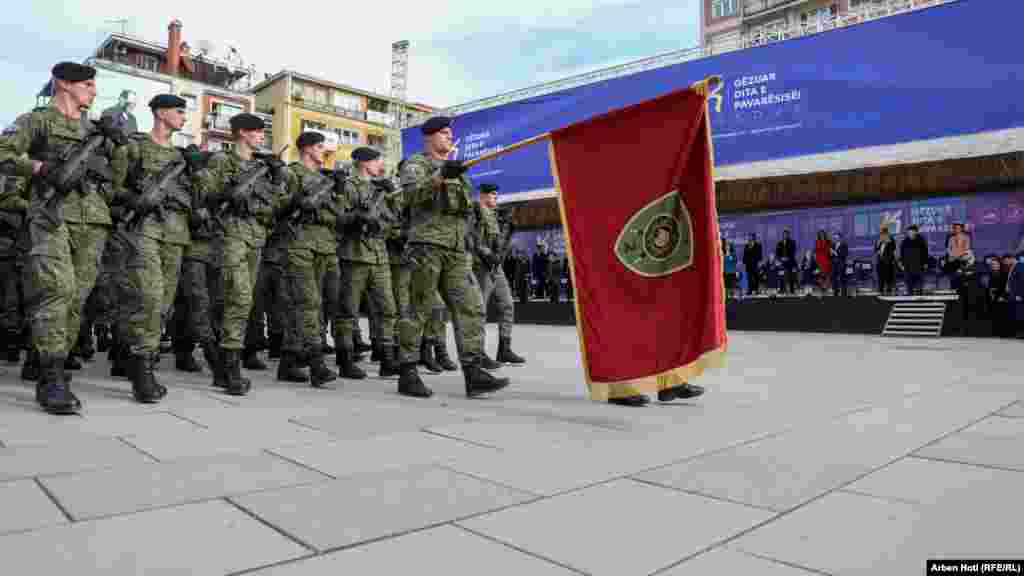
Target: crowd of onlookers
column 991, row 288
column 543, row 276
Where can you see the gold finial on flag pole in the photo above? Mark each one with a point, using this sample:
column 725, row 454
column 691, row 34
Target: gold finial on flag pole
column 704, row 87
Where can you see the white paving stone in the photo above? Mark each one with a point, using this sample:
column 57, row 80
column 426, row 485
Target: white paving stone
column 993, row 442
column 726, row 562
column 929, row 482
column 47, row 431
column 212, row 538
column 619, row 529
column 24, row 506
column 847, row 534
column 71, row 456
column 1015, row 411
column 208, row 442
column 350, row 457
column 368, row 506
column 131, row 489
column 443, row 550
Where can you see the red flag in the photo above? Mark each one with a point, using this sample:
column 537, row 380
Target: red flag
column 638, row 207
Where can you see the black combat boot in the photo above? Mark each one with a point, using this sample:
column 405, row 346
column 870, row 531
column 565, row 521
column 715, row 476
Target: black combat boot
column 30, row 369
column 638, row 400
column 14, row 345
column 252, row 359
column 274, row 348
column 505, row 353
column 480, row 381
column 360, row 346
column 681, row 392
column 319, row 373
column 85, row 347
column 121, row 365
column 347, row 365
column 427, row 357
column 57, row 395
column 324, row 346
column 409, row 383
column 236, row 384
column 166, row 343
column 443, row 359
column 214, row 361
column 288, row 369
column 184, row 361
column 487, row 363
column 388, row 365
column 103, row 339
column 72, row 362
column 375, row 355
column 145, row 388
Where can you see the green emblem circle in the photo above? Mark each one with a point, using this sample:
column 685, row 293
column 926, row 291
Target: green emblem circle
column 661, row 237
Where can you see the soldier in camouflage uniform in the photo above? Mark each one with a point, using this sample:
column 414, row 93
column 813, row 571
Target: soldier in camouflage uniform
column 310, row 221
column 364, row 264
column 240, row 203
column 12, row 219
column 51, row 136
column 437, row 195
column 157, row 234
column 490, row 240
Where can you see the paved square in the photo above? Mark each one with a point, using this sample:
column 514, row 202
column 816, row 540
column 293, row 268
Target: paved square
column 810, row 454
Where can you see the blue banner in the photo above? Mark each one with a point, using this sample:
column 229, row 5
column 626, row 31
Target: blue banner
column 942, row 71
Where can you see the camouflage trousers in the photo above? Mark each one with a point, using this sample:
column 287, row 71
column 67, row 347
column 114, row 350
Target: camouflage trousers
column 49, row 286
column 152, row 272
column 439, row 270
column 87, row 243
column 496, row 284
column 358, row 278
column 310, row 288
column 11, row 297
column 200, row 302
column 237, row 280
column 257, row 324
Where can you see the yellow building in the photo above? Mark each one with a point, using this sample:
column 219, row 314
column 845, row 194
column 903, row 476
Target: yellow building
column 349, row 117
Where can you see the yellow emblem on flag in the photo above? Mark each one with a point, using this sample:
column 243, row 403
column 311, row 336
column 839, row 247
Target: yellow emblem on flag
column 658, row 239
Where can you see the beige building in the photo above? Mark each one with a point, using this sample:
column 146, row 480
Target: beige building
column 347, row 116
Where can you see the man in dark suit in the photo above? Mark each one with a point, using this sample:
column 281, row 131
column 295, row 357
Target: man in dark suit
column 752, row 256
column 914, row 260
column 121, row 113
column 785, row 253
column 840, row 253
column 539, row 268
column 523, row 276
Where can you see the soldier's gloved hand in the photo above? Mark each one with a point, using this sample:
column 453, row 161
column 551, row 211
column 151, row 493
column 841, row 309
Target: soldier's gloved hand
column 452, row 169
column 145, row 204
column 384, row 184
column 308, row 204
column 193, row 158
column 277, row 168
column 199, row 217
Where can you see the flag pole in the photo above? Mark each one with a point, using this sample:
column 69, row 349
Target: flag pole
column 700, row 86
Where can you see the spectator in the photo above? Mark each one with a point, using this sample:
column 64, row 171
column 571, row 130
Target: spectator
column 785, row 253
column 523, row 276
column 808, row 272
column 554, row 278
column 1015, row 293
column 957, row 244
column 969, row 292
column 823, row 257
column 840, row 252
column 752, row 256
column 729, row 267
column 539, row 268
column 885, row 256
column 913, row 260
column 993, row 282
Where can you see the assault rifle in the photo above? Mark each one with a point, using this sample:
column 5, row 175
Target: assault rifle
column 318, row 199
column 79, row 163
column 507, row 227
column 154, row 193
column 246, row 187
column 371, row 212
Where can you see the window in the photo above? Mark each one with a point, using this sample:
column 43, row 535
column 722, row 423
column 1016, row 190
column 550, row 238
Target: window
column 308, row 125
column 723, row 8
column 151, row 63
column 182, row 139
column 225, row 110
column 345, row 136
column 377, row 141
column 348, row 102
column 378, row 106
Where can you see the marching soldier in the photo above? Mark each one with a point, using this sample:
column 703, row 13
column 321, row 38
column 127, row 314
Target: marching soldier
column 491, row 244
column 240, row 187
column 436, row 193
column 54, row 138
column 151, row 180
column 12, row 219
column 364, row 262
column 311, row 266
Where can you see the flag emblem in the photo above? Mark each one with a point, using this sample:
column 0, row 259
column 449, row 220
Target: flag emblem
column 658, row 239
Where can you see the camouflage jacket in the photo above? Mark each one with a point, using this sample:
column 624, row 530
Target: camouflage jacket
column 437, row 216
column 141, row 160
column 215, row 182
column 316, row 232
column 354, row 247
column 396, row 230
column 485, row 231
column 46, row 134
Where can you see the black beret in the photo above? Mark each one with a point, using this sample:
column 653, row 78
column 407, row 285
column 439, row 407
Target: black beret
column 365, row 154
column 435, row 124
column 167, row 101
column 309, row 139
column 487, row 188
column 246, row 121
column 73, row 72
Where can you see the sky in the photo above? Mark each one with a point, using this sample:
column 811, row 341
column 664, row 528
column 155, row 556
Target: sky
column 460, row 50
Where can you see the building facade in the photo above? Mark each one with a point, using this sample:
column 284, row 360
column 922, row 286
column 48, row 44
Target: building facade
column 132, row 70
column 347, row 116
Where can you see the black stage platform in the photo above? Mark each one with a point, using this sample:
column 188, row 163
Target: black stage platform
column 865, row 315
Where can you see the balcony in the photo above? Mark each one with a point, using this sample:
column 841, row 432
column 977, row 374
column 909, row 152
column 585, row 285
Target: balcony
column 329, row 108
column 218, row 122
column 754, row 7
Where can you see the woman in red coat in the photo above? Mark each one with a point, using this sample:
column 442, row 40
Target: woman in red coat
column 823, row 256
